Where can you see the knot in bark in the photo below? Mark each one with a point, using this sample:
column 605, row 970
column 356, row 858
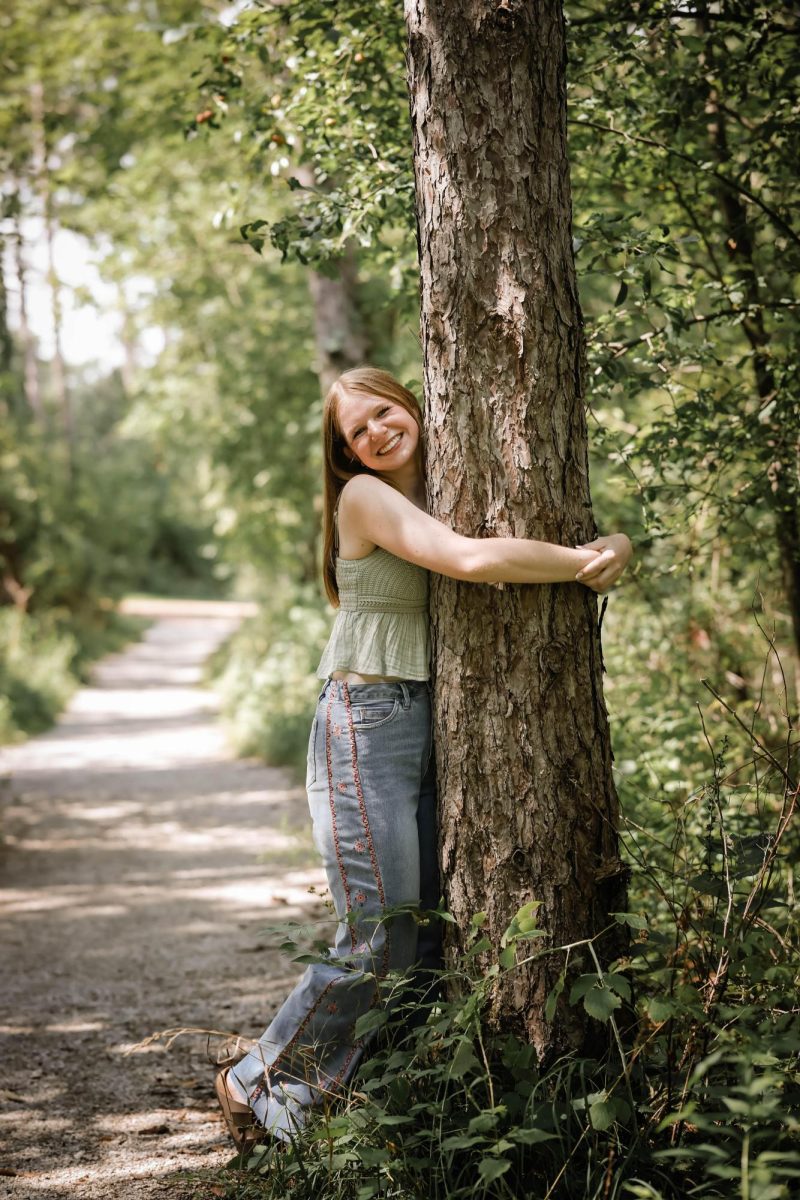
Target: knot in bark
column 551, row 656
column 520, row 859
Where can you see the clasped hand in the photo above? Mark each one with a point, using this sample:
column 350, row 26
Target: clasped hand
column 614, row 554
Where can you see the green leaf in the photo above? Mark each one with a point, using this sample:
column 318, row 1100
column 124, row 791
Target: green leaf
column 581, row 986
column 600, row 1002
column 480, row 946
column 507, row 957
column 633, row 920
column 486, row 1120
column 618, row 983
column 601, row 1115
column 552, row 1000
column 661, row 1008
column 523, row 924
column 530, row 1137
column 461, row 1141
column 463, row 1060
column 492, row 1168
column 604, row 1111
column 373, row 1156
column 370, row 1021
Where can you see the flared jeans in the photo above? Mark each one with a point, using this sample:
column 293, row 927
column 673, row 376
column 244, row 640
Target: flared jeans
column 371, row 792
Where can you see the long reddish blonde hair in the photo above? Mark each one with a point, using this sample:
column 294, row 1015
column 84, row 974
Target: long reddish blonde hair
column 339, row 466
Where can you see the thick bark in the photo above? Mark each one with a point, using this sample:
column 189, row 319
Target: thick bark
column 528, row 807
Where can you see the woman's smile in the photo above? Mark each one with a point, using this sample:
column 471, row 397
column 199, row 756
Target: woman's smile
column 391, row 444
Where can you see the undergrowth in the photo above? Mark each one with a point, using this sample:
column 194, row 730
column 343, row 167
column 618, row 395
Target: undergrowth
column 44, row 657
column 693, row 1090
column 264, row 675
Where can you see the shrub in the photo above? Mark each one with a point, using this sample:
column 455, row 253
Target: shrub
column 695, row 1091
column 265, row 676
column 43, row 657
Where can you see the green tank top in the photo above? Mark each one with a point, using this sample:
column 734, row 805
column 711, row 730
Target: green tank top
column 381, row 627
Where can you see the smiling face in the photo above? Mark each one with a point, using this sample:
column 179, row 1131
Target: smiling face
column 370, row 422
column 380, row 433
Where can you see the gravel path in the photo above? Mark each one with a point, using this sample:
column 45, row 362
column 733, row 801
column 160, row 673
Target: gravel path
column 141, row 863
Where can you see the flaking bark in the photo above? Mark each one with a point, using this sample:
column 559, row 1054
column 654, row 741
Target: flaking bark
column 528, row 808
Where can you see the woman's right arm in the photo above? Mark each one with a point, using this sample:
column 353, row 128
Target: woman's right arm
column 380, row 514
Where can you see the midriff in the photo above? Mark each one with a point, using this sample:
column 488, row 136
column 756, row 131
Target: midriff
column 354, row 677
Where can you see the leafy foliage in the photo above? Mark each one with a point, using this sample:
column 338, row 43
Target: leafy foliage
column 689, row 1085
column 265, row 676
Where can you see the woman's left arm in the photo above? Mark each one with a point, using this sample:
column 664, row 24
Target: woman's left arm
column 615, row 552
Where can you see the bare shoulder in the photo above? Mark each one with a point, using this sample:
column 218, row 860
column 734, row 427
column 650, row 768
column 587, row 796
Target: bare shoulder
column 364, row 490
column 360, row 497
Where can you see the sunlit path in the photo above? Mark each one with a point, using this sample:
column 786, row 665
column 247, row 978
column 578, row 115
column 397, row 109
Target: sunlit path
column 140, row 866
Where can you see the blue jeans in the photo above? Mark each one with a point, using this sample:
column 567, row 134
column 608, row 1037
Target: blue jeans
column 372, row 796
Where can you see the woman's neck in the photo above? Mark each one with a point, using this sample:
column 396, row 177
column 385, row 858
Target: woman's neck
column 410, row 482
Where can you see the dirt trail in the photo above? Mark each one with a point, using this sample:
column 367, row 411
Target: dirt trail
column 141, row 864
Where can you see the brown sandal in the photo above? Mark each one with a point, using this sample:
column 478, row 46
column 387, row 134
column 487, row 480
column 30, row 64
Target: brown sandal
column 238, row 1116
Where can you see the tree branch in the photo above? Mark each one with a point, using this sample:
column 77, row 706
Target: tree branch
column 714, row 173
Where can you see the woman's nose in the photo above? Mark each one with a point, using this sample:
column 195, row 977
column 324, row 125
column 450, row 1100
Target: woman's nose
column 374, row 426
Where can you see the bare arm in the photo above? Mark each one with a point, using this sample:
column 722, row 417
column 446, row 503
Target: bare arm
column 381, row 515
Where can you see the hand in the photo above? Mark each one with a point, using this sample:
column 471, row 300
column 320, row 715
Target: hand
column 614, row 554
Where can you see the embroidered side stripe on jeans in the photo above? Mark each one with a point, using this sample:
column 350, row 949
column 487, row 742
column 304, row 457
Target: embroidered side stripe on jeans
column 287, row 1049
column 334, row 826
column 365, row 822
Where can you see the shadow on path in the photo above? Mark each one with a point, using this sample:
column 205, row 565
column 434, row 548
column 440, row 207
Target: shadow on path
column 141, row 865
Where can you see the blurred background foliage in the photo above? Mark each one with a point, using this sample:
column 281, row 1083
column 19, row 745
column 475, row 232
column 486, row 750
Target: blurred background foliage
column 242, row 178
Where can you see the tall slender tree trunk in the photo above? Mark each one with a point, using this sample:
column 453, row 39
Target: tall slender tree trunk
column 340, row 337
column 30, row 363
column 339, row 332
column 782, row 481
column 528, row 807
column 7, row 401
column 128, row 339
column 42, row 172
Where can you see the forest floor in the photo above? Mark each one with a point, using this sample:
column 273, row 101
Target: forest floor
column 139, row 866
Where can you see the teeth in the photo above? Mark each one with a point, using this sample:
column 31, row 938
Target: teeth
column 390, row 445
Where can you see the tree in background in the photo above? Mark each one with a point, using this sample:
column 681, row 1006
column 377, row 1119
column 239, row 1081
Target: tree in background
column 685, row 140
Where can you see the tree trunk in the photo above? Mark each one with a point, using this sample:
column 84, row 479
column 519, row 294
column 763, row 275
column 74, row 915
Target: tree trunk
column 7, row 404
column 42, row 172
column 340, row 337
column 528, row 808
column 30, row 361
column 782, row 448
column 339, row 332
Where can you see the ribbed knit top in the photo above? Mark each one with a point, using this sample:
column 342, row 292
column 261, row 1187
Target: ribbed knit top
column 381, row 627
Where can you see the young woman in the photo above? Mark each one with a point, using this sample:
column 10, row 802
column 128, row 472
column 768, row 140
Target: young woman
column 370, row 776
